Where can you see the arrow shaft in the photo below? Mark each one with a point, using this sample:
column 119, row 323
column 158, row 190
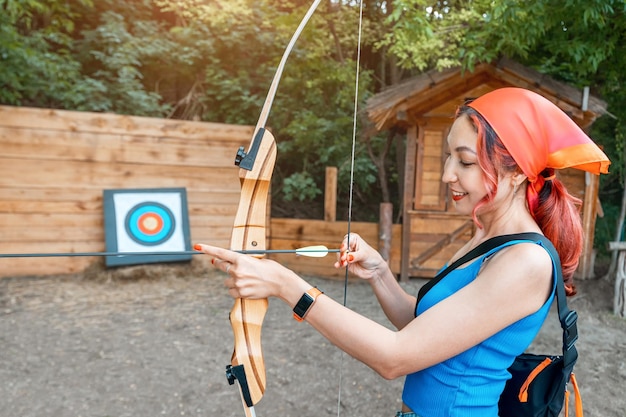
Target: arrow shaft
column 178, row 253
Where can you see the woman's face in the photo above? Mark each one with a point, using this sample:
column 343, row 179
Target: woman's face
column 461, row 171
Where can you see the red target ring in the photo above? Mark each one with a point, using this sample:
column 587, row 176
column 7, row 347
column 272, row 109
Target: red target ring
column 150, row 223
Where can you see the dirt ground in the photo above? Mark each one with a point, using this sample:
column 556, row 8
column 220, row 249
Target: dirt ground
column 154, row 341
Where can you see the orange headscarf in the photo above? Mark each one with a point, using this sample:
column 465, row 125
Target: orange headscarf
column 539, row 135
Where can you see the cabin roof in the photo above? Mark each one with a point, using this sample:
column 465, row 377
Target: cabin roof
column 439, row 93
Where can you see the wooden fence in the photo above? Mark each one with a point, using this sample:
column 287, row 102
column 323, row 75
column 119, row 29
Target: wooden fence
column 54, row 166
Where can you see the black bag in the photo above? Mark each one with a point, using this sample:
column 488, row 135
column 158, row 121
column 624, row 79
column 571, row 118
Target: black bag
column 537, row 388
column 538, row 384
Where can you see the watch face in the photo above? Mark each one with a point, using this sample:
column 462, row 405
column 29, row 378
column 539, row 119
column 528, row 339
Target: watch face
column 303, row 305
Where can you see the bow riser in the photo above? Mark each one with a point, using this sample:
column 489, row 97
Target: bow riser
column 249, row 233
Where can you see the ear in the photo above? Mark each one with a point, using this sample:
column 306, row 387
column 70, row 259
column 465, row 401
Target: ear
column 518, row 179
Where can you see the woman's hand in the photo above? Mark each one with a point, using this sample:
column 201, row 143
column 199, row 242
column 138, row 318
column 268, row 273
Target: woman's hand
column 250, row 277
column 363, row 261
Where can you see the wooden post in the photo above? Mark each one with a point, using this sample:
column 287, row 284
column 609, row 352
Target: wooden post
column 619, row 303
column 619, row 298
column 407, row 199
column 385, row 230
column 330, row 195
column 586, row 265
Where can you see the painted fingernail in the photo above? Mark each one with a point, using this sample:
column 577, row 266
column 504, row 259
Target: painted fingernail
column 212, row 261
column 197, row 247
column 350, row 258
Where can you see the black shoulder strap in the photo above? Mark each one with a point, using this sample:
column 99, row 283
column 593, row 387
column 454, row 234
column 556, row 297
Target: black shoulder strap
column 567, row 317
column 479, row 250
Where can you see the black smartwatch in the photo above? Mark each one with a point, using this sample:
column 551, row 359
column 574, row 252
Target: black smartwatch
column 305, row 303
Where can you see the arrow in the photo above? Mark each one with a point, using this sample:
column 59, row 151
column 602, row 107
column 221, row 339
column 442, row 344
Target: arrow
column 318, row 251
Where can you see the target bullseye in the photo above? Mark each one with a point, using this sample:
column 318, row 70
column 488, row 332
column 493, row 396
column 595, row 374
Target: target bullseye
column 150, row 223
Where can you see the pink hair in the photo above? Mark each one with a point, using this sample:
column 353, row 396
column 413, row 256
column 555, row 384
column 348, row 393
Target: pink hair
column 555, row 210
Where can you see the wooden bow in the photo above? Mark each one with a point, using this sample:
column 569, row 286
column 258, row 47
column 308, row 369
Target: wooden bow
column 249, row 232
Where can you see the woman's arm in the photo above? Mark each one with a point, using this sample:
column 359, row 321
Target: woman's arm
column 514, row 283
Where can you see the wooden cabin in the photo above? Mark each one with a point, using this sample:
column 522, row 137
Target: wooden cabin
column 424, row 108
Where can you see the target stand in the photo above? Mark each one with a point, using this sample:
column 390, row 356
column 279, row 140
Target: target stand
column 146, row 220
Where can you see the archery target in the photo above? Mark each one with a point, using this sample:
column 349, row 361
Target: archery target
column 150, row 223
column 151, row 220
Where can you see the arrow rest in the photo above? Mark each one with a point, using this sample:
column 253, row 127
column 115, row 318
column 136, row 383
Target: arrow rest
column 241, row 154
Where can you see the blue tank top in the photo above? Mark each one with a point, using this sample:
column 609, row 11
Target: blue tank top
column 470, row 384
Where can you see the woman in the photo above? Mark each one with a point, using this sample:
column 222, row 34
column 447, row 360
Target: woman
column 455, row 346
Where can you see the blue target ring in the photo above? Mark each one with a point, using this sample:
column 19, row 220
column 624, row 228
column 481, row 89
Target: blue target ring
column 150, row 223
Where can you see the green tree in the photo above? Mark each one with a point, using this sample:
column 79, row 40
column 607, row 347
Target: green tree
column 36, row 64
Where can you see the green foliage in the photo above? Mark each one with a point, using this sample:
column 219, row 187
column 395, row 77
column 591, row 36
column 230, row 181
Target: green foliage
column 300, row 186
column 52, row 56
column 545, row 33
column 115, row 53
column 318, row 123
column 433, row 34
column 36, row 65
column 551, row 36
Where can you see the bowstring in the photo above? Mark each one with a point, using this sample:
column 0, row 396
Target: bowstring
column 351, row 191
